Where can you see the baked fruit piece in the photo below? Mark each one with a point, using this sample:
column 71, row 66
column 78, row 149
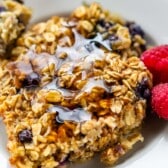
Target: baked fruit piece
column 76, row 87
column 13, row 20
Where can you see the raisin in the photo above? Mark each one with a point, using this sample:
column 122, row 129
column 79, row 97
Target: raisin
column 25, row 136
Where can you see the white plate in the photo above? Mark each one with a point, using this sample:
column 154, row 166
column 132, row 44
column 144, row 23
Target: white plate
column 152, row 16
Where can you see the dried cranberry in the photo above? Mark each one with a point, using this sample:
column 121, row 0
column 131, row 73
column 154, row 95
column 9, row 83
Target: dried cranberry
column 25, row 136
column 31, row 80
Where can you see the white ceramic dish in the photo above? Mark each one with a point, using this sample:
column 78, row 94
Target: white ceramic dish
column 152, row 16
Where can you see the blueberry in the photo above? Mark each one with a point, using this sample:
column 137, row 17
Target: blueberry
column 2, row 9
column 135, row 29
column 25, row 136
column 142, row 90
column 147, row 94
column 104, row 24
column 31, row 80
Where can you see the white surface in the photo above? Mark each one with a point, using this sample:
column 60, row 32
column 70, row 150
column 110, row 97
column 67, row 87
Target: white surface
column 152, row 16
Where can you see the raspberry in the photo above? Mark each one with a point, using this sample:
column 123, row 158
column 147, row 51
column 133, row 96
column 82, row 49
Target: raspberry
column 160, row 100
column 156, row 60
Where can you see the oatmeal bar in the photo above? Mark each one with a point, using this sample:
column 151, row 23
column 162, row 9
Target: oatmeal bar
column 13, row 20
column 76, row 88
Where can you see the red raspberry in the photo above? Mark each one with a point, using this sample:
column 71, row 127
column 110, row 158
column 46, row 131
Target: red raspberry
column 160, row 100
column 156, row 60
